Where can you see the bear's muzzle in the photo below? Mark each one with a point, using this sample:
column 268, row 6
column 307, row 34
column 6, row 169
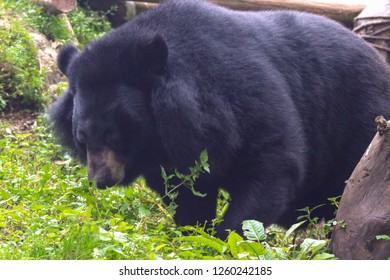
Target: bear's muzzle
column 104, row 168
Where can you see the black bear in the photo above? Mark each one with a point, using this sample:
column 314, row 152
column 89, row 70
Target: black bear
column 284, row 102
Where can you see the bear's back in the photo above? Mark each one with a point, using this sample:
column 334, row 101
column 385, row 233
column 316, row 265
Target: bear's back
column 329, row 81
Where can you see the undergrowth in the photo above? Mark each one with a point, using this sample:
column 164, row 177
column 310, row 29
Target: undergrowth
column 23, row 82
column 86, row 25
column 48, row 210
column 21, row 78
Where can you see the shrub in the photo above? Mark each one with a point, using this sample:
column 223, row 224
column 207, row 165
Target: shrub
column 21, row 78
column 86, row 24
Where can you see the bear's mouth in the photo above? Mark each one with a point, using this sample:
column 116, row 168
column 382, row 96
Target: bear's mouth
column 104, row 168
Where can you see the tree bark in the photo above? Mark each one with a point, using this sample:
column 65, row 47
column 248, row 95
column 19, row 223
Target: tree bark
column 373, row 25
column 364, row 211
column 57, row 6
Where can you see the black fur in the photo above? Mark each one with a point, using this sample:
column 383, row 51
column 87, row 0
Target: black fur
column 283, row 101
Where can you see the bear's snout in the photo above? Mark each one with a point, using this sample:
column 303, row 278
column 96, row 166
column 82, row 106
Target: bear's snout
column 104, row 168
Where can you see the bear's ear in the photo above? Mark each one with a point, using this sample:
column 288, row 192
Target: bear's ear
column 66, row 56
column 151, row 55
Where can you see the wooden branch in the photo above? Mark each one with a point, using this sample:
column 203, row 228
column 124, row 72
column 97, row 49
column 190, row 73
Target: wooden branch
column 364, row 211
column 69, row 27
column 314, row 6
column 57, row 6
column 133, row 8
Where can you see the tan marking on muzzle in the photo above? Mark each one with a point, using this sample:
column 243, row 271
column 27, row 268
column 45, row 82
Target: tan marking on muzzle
column 105, row 166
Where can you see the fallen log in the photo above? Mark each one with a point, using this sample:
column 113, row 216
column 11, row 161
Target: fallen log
column 363, row 215
column 57, row 6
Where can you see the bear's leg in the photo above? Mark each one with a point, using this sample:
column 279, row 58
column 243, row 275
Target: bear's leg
column 263, row 200
column 193, row 209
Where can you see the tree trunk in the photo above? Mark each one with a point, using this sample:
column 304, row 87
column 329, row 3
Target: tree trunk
column 364, row 211
column 57, row 6
column 373, row 25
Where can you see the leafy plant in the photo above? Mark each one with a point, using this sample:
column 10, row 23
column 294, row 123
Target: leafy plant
column 86, row 25
column 185, row 180
column 254, row 230
column 308, row 214
column 256, row 246
column 320, row 230
column 335, row 201
column 21, row 79
column 383, row 237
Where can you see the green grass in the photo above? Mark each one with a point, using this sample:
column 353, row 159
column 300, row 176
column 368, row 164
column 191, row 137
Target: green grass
column 48, row 210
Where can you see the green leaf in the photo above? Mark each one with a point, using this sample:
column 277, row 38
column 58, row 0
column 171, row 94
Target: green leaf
column 205, row 234
column 281, row 253
column 159, row 247
column 254, row 230
column 324, row 256
column 233, row 241
column 382, row 237
column 164, row 174
column 204, row 157
column 312, row 245
column 197, row 193
column 142, row 211
column 251, row 248
column 88, row 212
column 117, row 250
column 204, row 241
column 291, row 230
column 119, row 236
column 269, row 255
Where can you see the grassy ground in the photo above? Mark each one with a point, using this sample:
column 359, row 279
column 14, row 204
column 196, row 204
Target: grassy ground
column 48, row 210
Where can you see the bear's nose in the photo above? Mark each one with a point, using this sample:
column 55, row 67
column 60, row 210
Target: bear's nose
column 104, row 182
column 104, row 168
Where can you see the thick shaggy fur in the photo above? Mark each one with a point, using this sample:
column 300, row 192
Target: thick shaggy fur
column 284, row 102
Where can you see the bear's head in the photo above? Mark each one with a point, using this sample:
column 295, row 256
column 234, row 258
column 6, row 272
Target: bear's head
column 105, row 115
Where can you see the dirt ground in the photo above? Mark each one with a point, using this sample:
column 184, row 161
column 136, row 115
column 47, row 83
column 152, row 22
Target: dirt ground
column 19, row 121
